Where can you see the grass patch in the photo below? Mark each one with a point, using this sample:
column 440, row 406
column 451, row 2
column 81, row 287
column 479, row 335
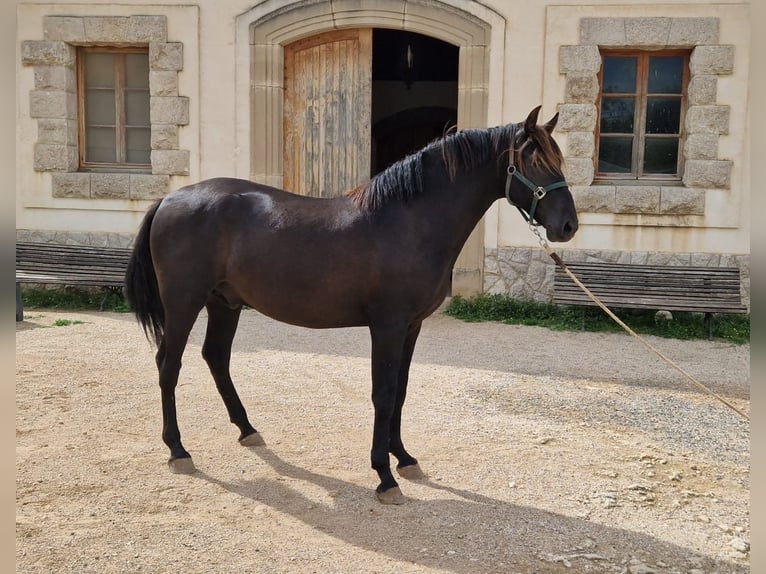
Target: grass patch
column 73, row 299
column 732, row 328
column 66, row 322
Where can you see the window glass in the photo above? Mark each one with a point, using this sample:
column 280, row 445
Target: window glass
column 101, row 146
column 615, row 155
column 138, row 141
column 99, row 107
column 99, row 70
column 661, row 155
column 137, row 71
column 137, row 108
column 663, row 115
column 617, row 115
column 666, row 75
column 619, row 75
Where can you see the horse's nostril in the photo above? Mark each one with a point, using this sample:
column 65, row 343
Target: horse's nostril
column 570, row 227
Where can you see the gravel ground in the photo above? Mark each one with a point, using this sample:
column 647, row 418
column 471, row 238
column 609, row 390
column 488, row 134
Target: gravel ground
column 544, row 452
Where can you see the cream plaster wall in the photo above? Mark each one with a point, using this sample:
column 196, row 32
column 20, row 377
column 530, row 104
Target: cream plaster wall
column 523, row 72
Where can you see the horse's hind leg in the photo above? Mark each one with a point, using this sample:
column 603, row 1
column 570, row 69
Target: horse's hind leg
column 221, row 327
column 178, row 325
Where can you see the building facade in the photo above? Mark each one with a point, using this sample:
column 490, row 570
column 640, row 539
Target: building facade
column 118, row 104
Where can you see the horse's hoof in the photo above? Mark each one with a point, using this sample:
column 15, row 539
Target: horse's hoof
column 181, row 466
column 391, row 496
column 254, row 439
column 410, row 472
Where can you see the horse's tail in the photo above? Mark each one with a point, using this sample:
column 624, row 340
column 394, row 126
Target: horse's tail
column 141, row 290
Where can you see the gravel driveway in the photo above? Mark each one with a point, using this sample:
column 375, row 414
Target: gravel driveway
column 544, row 452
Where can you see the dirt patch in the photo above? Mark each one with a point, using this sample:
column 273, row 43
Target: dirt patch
column 544, row 452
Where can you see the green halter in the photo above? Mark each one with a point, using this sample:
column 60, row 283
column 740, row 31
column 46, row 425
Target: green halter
column 538, row 191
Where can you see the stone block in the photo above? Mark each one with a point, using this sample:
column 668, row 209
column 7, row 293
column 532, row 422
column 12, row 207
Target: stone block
column 52, row 104
column 712, row 60
column 579, row 59
column 146, row 186
column 579, row 171
column 163, row 83
column 64, row 28
column 146, row 29
column 47, row 53
column 707, row 173
column 57, row 131
column 71, row 185
column 110, row 185
column 170, row 162
column 109, row 29
column 581, row 88
column 164, row 136
column 682, row 201
column 166, row 56
column 169, row 110
column 577, row 117
column 703, row 90
column 647, row 32
column 701, row 146
column 55, row 78
column 581, row 144
column 606, row 32
column 594, row 198
column 55, row 157
column 686, row 32
column 707, row 120
column 637, row 199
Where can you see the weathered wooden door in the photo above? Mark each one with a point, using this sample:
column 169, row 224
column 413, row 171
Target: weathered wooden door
column 328, row 81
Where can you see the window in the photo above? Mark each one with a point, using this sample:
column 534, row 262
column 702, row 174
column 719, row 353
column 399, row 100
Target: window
column 113, row 99
column 642, row 102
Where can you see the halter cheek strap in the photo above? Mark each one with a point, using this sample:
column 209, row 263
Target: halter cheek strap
column 538, row 191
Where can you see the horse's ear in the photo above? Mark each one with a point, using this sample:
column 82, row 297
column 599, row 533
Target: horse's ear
column 551, row 123
column 531, row 121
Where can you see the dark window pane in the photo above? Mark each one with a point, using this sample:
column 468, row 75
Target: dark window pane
column 99, row 70
column 138, row 142
column 617, row 115
column 661, row 156
column 99, row 107
column 615, row 155
column 137, row 108
column 663, row 115
column 619, row 75
column 137, row 71
column 100, row 145
column 666, row 74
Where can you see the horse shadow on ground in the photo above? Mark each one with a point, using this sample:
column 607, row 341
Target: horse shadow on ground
column 464, row 532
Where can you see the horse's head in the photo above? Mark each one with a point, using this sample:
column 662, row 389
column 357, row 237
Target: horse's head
column 535, row 182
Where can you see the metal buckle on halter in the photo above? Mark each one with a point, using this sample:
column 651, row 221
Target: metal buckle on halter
column 511, row 169
column 539, row 192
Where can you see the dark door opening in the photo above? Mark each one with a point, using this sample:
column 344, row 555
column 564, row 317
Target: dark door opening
column 414, row 93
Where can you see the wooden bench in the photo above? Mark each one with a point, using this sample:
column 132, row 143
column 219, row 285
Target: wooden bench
column 661, row 287
column 73, row 265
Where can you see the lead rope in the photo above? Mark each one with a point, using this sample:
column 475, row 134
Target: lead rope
column 544, row 244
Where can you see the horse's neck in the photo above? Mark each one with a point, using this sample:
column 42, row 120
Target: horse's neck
column 457, row 206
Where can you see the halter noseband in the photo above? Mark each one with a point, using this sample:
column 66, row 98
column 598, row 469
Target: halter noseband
column 538, row 191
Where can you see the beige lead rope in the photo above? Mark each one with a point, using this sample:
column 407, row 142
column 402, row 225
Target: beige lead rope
column 617, row 320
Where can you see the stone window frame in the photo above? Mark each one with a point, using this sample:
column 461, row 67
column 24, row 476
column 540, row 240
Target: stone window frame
column 705, row 120
column 54, row 104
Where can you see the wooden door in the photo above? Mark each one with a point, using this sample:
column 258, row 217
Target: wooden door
column 328, row 80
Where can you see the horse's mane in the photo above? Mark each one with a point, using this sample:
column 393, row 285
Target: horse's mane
column 466, row 150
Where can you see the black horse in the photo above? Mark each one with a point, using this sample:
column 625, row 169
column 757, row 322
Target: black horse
column 381, row 255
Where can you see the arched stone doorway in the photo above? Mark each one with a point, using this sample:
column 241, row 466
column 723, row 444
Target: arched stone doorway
column 272, row 26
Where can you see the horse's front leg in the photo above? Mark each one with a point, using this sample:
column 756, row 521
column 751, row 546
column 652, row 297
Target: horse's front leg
column 387, row 354
column 407, row 466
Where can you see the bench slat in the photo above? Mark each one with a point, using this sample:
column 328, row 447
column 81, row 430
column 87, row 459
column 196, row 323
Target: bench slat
column 676, row 288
